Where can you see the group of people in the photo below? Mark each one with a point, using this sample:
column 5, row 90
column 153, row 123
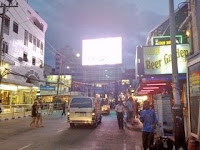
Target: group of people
column 147, row 117
column 37, row 113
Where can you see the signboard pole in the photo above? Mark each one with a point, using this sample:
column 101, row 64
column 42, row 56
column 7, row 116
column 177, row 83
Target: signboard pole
column 177, row 108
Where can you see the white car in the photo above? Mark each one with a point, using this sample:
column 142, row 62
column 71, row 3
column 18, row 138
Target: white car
column 81, row 110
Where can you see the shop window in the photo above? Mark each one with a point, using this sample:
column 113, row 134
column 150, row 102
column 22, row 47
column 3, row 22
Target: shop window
column 15, row 27
column 33, row 61
column 30, row 38
column 25, row 37
column 5, row 47
column 25, row 57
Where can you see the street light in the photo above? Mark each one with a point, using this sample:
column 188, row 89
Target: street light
column 78, row 54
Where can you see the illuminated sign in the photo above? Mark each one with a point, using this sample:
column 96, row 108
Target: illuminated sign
column 125, row 82
column 103, row 51
column 157, row 59
column 65, row 79
column 46, row 88
column 165, row 40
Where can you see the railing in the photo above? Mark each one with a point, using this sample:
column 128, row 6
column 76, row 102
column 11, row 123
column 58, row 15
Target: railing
column 23, row 110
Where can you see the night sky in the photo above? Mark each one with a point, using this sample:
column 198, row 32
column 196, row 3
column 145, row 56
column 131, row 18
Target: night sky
column 71, row 21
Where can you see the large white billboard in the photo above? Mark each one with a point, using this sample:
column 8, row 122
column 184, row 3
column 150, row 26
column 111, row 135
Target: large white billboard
column 104, row 51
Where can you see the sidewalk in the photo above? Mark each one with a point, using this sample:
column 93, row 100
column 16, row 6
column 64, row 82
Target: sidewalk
column 10, row 116
column 135, row 126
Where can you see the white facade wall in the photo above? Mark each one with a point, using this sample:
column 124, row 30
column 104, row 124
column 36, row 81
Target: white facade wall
column 25, row 17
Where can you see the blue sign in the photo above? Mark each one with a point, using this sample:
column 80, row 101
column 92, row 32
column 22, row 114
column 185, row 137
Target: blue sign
column 47, row 88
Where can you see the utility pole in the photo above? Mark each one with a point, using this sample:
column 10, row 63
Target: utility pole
column 179, row 134
column 60, row 69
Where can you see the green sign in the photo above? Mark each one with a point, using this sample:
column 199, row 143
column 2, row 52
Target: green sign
column 165, row 40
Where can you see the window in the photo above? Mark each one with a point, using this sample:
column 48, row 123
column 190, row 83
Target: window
column 81, row 103
column 30, row 38
column 5, row 47
column 42, row 46
column 38, row 43
column 34, row 43
column 25, row 57
column 33, row 61
column 25, row 37
column 41, row 64
column 15, row 27
column 7, row 25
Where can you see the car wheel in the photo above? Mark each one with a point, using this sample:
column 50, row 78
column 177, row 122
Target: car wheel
column 95, row 124
column 71, row 125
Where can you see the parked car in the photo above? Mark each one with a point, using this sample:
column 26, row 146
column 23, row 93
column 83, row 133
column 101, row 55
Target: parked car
column 81, row 110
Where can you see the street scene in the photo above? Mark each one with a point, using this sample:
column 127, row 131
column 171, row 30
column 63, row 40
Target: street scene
column 57, row 134
column 99, row 75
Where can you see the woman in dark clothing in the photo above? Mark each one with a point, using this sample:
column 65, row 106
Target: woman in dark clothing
column 34, row 114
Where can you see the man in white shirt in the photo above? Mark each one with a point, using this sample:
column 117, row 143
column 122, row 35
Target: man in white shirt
column 120, row 113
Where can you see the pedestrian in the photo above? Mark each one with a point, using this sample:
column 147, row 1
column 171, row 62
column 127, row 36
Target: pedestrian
column 39, row 113
column 63, row 108
column 120, row 114
column 129, row 105
column 148, row 118
column 50, row 111
column 33, row 114
column 97, row 105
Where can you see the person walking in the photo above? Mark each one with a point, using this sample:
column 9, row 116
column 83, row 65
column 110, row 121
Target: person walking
column 129, row 105
column 33, row 114
column 39, row 113
column 50, row 111
column 148, row 118
column 120, row 114
column 63, row 108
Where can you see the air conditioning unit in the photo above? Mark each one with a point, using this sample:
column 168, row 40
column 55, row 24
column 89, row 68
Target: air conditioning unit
column 20, row 59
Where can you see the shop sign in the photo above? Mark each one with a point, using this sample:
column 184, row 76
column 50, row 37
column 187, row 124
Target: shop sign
column 158, row 60
column 46, row 88
column 32, row 73
column 48, row 92
column 165, row 40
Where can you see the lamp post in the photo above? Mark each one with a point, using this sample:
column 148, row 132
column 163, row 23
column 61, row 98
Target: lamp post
column 179, row 133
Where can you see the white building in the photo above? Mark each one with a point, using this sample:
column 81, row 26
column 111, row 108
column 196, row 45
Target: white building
column 23, row 53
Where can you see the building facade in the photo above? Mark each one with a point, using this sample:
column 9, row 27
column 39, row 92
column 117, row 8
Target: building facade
column 23, row 54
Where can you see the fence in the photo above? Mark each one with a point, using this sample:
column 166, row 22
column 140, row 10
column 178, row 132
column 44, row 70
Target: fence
column 23, row 110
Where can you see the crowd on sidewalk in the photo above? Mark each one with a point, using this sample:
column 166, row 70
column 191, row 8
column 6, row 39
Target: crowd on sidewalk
column 144, row 121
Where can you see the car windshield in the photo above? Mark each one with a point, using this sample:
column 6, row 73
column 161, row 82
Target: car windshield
column 81, row 103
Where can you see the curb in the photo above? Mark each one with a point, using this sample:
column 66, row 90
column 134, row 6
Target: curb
column 19, row 117
column 5, row 119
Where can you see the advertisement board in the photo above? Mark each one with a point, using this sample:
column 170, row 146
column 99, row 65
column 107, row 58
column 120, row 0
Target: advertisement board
column 66, row 80
column 103, row 51
column 158, row 60
column 194, row 97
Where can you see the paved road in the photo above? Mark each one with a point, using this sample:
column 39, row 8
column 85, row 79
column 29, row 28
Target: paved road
column 57, row 135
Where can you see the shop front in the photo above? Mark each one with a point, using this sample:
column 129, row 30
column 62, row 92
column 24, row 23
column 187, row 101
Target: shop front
column 193, row 84
column 17, row 94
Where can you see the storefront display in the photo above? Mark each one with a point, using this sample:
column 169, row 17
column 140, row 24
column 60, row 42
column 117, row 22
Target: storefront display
column 194, row 95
